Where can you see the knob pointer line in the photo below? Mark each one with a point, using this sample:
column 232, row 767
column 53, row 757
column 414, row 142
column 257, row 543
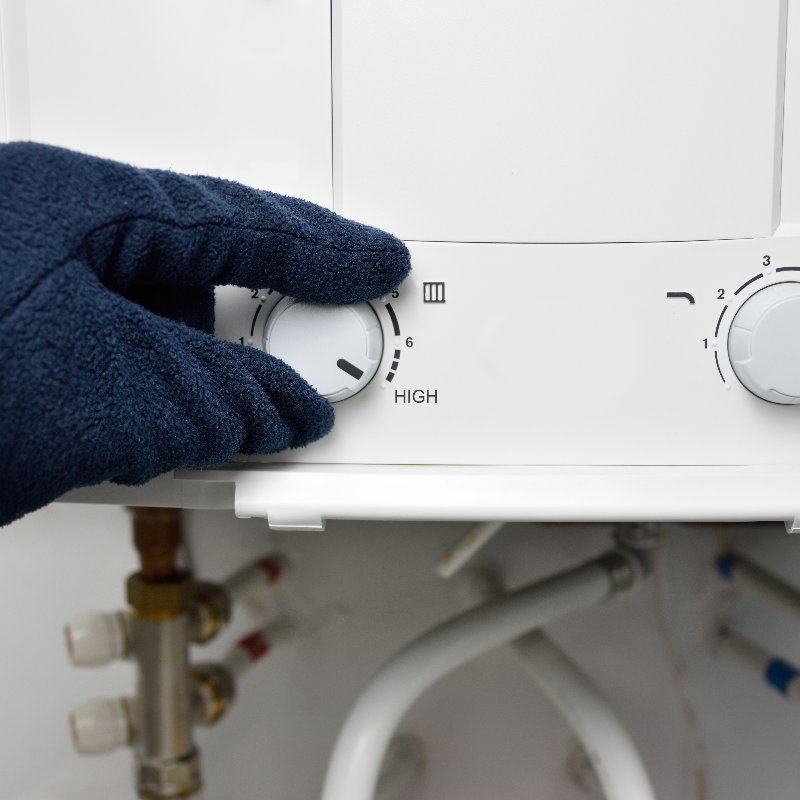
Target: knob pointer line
column 350, row 369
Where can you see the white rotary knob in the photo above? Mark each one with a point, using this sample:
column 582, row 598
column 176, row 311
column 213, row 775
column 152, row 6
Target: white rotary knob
column 337, row 349
column 764, row 343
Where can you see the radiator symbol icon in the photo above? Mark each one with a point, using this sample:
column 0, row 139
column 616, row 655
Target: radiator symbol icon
column 433, row 292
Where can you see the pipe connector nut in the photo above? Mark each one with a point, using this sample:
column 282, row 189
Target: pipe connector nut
column 159, row 599
column 214, row 692
column 210, row 610
column 158, row 779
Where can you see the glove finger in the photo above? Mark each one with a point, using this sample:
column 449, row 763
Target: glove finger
column 139, row 227
column 207, row 400
column 191, row 305
column 307, row 414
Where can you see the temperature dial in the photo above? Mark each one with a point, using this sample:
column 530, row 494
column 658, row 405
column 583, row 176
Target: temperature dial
column 337, row 349
column 764, row 343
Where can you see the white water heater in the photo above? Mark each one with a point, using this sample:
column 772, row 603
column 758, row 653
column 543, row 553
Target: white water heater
column 602, row 202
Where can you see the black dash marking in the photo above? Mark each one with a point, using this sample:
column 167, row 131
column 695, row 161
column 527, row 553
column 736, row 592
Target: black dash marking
column 747, row 283
column 719, row 321
column 390, row 377
column 716, row 358
column 395, row 323
column 788, row 269
column 351, row 369
column 269, row 292
column 396, row 354
column 684, row 295
column 394, row 365
column 255, row 317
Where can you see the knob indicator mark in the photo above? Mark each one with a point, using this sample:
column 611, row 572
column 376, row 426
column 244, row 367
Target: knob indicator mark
column 350, row 369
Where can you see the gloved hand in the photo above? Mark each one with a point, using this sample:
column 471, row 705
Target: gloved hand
column 108, row 370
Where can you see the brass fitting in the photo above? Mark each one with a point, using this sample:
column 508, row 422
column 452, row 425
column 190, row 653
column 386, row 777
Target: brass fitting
column 214, row 691
column 210, row 610
column 159, row 600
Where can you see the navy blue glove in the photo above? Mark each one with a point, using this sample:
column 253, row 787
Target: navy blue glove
column 108, row 370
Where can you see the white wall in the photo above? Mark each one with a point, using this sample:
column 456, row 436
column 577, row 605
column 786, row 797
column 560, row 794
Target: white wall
column 361, row 590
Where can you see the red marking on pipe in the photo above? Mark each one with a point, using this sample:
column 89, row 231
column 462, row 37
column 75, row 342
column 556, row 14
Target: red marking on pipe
column 272, row 569
column 256, row 645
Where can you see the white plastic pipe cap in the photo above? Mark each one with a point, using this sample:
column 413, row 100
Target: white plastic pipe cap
column 100, row 726
column 96, row 638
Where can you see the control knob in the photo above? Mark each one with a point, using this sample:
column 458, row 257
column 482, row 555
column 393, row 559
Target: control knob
column 764, row 343
column 337, row 349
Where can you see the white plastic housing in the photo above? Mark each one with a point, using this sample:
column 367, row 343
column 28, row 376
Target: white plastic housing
column 198, row 86
column 581, row 121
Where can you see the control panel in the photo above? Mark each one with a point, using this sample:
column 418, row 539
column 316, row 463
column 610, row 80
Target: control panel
column 639, row 354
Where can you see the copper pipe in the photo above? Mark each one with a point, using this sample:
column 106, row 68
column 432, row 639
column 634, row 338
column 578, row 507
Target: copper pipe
column 157, row 537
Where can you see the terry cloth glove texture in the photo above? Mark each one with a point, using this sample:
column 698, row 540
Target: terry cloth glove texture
column 108, row 370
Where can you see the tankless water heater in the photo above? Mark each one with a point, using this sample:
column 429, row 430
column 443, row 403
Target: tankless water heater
column 602, row 202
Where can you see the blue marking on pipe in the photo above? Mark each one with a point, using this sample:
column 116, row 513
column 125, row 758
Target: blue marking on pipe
column 779, row 674
column 725, row 565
